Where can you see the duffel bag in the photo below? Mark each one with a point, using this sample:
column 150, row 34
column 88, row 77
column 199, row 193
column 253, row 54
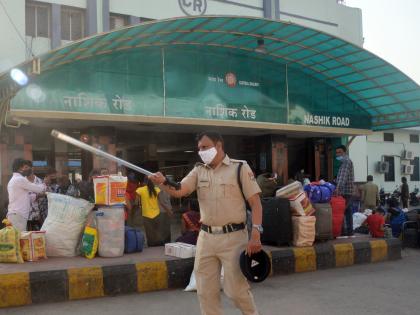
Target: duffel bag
column 320, row 193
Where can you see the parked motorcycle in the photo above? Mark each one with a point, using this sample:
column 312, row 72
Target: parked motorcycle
column 394, row 199
column 414, row 197
column 383, row 196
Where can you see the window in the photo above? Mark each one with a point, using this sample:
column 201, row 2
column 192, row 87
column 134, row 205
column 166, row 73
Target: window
column 72, row 23
column 143, row 19
column 117, row 21
column 390, row 176
column 389, row 137
column 37, row 19
column 415, row 177
column 414, row 138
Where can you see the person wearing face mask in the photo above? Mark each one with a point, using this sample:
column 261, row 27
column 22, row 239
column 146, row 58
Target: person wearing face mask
column 223, row 235
column 18, row 189
column 345, row 186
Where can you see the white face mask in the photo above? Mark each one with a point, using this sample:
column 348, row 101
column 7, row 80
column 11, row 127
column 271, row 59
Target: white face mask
column 208, row 155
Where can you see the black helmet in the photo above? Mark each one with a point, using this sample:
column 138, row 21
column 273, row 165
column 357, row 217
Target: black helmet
column 256, row 267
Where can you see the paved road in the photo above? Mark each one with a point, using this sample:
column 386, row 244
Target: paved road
column 383, row 288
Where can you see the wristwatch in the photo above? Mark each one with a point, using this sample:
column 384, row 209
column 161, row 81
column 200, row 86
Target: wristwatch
column 258, row 227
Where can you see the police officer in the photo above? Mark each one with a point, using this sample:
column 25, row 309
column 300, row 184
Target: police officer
column 223, row 235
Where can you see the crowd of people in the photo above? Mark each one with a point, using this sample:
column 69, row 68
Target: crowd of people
column 28, row 203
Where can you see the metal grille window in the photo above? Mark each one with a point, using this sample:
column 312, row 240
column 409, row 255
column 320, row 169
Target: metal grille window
column 117, row 21
column 414, row 138
column 390, row 176
column 72, row 23
column 388, row 137
column 37, row 19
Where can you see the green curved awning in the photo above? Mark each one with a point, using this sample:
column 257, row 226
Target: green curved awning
column 389, row 96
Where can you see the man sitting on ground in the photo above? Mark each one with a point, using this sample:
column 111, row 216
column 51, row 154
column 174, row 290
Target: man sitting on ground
column 376, row 223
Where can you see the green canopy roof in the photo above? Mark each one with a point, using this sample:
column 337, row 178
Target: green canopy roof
column 389, row 96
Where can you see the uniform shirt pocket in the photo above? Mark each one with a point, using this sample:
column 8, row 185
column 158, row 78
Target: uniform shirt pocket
column 232, row 190
column 203, row 189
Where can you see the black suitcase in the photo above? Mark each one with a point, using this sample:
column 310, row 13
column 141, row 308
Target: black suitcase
column 323, row 225
column 277, row 221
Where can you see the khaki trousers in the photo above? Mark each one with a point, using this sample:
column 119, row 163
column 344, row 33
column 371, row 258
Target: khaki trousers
column 213, row 252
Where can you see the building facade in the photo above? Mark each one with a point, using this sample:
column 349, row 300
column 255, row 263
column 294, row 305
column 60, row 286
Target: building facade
column 284, row 81
column 388, row 156
column 29, row 28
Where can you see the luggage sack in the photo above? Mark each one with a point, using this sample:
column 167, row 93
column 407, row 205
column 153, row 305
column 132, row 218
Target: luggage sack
column 323, row 225
column 338, row 205
column 111, row 231
column 134, row 240
column 303, row 231
column 277, row 221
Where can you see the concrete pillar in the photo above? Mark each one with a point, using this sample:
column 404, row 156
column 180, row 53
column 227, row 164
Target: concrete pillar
column 91, row 17
column 271, row 9
column 277, row 9
column 267, row 9
column 105, row 15
column 55, row 25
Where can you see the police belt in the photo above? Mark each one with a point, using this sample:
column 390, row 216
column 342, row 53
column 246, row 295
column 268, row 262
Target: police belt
column 228, row 228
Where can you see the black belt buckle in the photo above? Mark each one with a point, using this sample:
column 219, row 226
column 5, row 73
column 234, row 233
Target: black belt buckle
column 228, row 228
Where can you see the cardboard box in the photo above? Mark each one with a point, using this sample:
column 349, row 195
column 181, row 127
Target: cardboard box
column 181, row 250
column 32, row 245
column 300, row 205
column 110, row 190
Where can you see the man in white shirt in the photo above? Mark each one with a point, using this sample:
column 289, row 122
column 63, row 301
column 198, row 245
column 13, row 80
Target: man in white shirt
column 19, row 199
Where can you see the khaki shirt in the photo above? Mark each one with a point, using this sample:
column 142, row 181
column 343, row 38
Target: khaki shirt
column 220, row 198
column 370, row 194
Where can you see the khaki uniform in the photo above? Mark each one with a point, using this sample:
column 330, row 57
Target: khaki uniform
column 221, row 202
column 370, row 195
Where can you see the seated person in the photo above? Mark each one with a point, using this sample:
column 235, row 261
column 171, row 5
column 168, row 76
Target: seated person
column 190, row 223
column 376, row 223
column 396, row 218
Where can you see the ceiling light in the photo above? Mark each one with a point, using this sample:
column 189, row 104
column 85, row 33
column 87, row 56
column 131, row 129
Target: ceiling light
column 19, row 77
column 261, row 46
column 188, row 151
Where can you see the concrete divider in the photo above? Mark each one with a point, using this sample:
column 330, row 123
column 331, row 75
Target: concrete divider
column 90, row 282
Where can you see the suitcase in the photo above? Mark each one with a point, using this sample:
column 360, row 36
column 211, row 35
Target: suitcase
column 338, row 206
column 323, row 225
column 134, row 240
column 277, row 221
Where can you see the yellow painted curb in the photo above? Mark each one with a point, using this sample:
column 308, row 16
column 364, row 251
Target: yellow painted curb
column 344, row 254
column 85, row 283
column 305, row 259
column 379, row 250
column 151, row 276
column 15, row 289
column 271, row 262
